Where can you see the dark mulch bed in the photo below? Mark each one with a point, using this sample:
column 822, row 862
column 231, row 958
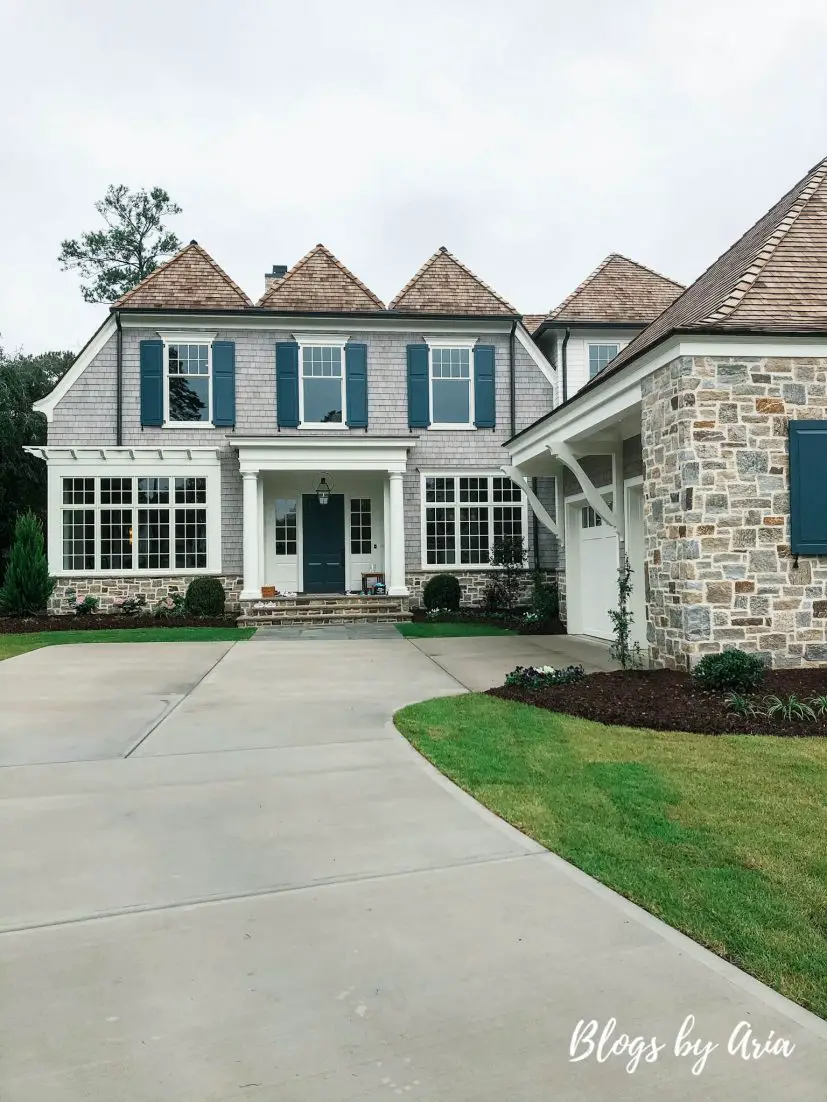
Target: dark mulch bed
column 513, row 623
column 667, row 700
column 14, row 625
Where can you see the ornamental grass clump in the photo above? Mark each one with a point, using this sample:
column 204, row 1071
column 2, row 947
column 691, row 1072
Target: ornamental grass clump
column 733, row 671
column 539, row 677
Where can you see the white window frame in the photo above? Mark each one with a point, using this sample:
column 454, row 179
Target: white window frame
column 136, row 469
column 599, row 344
column 312, row 340
column 457, row 566
column 452, row 342
column 185, row 337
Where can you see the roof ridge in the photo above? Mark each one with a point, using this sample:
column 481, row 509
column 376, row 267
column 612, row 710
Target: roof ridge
column 202, row 252
column 814, row 180
column 651, row 271
column 271, row 290
column 444, row 251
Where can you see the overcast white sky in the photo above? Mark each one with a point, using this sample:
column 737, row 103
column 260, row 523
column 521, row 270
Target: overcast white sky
column 530, row 138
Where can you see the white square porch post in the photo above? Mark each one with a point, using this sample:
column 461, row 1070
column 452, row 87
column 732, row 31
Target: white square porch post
column 396, row 533
column 250, row 523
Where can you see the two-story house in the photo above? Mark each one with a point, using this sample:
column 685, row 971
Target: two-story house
column 297, row 443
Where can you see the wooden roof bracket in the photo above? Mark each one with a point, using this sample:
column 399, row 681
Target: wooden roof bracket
column 516, row 476
column 561, row 451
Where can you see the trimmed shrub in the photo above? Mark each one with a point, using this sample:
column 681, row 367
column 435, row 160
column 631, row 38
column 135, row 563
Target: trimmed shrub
column 442, row 591
column 205, row 597
column 545, row 601
column 733, row 671
column 27, row 586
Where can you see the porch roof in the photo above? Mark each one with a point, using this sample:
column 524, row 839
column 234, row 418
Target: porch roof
column 323, row 452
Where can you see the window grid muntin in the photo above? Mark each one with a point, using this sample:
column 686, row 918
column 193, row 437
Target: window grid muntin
column 286, row 526
column 190, row 539
column 599, row 356
column 79, row 530
column 451, row 380
column 188, row 383
column 116, row 539
column 103, row 538
column 461, row 532
column 360, row 526
column 322, row 385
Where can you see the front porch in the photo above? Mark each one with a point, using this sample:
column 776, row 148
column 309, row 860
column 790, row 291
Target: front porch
column 323, row 518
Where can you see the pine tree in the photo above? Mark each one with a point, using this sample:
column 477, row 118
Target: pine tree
column 27, row 586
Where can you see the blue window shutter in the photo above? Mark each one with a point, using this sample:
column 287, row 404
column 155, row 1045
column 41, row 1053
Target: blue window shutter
column 356, row 385
column 152, row 383
column 808, row 487
column 223, row 383
column 419, row 416
column 287, row 384
column 484, row 401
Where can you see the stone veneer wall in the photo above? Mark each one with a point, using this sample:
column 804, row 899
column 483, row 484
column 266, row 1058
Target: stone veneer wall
column 718, row 563
column 152, row 589
column 472, row 583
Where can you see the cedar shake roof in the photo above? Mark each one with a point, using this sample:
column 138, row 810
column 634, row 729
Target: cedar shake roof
column 772, row 280
column 443, row 285
column 318, row 283
column 532, row 322
column 618, row 290
column 191, row 279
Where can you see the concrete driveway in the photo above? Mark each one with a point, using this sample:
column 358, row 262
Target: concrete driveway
column 224, row 876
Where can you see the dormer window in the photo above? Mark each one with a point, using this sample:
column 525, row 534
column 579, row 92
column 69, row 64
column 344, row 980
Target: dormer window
column 188, row 383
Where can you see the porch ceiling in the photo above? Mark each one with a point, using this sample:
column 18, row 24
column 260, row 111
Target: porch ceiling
column 332, row 453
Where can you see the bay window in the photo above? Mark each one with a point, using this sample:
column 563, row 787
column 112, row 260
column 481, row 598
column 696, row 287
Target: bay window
column 463, row 515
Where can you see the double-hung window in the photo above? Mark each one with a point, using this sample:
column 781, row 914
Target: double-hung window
column 322, row 385
column 189, row 383
column 465, row 514
column 600, row 355
column 136, row 523
column 452, row 387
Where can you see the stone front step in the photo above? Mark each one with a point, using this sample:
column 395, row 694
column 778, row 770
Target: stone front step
column 322, row 609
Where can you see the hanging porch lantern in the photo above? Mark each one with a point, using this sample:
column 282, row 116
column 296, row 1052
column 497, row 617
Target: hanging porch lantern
column 323, row 491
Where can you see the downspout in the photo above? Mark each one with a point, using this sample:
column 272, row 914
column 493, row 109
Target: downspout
column 118, row 381
column 535, row 525
column 564, row 373
column 512, row 381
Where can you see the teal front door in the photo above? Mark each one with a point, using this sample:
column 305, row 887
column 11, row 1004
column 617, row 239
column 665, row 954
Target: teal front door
column 323, row 540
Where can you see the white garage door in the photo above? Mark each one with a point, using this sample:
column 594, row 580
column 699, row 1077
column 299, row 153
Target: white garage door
column 598, row 573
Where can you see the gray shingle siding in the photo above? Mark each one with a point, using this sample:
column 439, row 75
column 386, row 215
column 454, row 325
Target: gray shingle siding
column 87, row 413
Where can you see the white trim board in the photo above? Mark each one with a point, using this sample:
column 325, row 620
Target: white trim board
column 96, row 344
column 537, row 356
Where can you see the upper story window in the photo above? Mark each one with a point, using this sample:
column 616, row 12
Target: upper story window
column 322, row 390
column 189, row 381
column 452, row 390
column 600, row 355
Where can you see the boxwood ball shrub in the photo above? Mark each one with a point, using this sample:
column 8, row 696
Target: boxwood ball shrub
column 205, row 597
column 733, row 671
column 442, row 591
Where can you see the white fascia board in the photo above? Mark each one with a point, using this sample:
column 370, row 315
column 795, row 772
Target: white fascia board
column 47, row 405
column 335, row 454
column 305, row 325
column 537, row 356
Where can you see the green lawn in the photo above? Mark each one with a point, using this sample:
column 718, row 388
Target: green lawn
column 10, row 645
column 437, row 630
column 721, row 837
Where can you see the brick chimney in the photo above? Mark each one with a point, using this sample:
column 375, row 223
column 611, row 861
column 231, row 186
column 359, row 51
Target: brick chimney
column 279, row 272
